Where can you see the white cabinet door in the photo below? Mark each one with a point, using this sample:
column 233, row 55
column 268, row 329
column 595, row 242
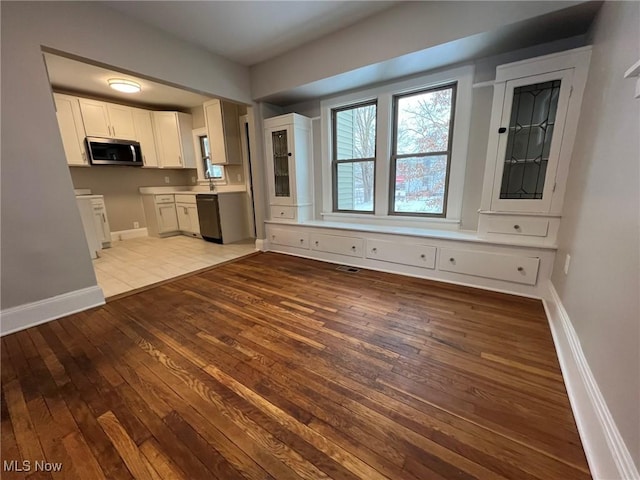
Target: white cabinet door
column 71, row 129
column 142, row 121
column 168, row 139
column 184, row 220
column 102, row 224
column 531, row 130
column 167, row 218
column 96, row 118
column 192, row 211
column 107, row 120
column 223, row 130
column 280, row 165
column 121, row 120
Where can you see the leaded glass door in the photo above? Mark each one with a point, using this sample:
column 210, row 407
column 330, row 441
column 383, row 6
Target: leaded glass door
column 281, row 164
column 531, row 131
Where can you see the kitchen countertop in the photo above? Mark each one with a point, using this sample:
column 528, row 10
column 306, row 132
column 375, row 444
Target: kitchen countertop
column 191, row 190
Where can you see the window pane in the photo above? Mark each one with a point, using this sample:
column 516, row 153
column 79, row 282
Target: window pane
column 423, row 122
column 354, row 186
column 355, row 131
column 420, row 184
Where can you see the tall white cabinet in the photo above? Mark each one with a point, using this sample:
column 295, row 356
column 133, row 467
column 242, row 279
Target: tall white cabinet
column 71, row 129
column 534, row 119
column 289, row 167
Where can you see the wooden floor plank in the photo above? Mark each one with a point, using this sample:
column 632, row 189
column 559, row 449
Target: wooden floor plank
column 277, row 367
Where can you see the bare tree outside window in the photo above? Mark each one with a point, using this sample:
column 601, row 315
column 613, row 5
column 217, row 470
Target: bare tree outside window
column 422, row 150
column 354, row 147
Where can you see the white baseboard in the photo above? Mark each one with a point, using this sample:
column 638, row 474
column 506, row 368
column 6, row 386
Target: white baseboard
column 24, row 316
column 262, row 244
column 127, row 234
column 607, row 454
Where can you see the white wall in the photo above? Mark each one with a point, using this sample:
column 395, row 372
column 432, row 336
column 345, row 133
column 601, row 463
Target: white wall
column 401, row 30
column 44, row 251
column 600, row 225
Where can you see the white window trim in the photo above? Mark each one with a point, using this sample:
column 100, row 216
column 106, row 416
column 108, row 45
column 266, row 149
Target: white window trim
column 202, row 180
column 384, row 96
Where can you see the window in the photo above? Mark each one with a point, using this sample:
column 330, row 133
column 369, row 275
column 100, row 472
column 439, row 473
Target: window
column 207, row 171
column 210, row 170
column 396, row 154
column 423, row 126
column 354, row 152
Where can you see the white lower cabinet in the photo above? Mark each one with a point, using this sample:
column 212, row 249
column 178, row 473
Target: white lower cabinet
column 503, row 267
column 415, row 255
column 289, row 238
column 187, row 212
column 160, row 213
column 350, row 246
column 101, row 221
column 511, row 268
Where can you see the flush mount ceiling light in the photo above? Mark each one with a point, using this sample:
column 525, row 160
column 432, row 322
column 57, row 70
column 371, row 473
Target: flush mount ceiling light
column 126, row 86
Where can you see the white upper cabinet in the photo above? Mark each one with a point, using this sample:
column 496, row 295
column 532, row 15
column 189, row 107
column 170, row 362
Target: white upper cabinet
column 289, row 171
column 108, row 120
column 223, row 130
column 534, row 119
column 173, row 140
column 142, row 121
column 71, row 129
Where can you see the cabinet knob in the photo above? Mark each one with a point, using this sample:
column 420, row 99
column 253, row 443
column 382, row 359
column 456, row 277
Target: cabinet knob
column 289, row 154
column 273, row 237
column 502, row 130
column 452, row 259
column 317, row 243
column 302, row 240
column 423, row 256
column 516, row 227
column 520, row 269
column 374, row 249
column 281, row 213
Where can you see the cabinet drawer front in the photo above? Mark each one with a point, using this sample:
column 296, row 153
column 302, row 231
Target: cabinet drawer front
column 336, row 244
column 185, row 198
column 406, row 254
column 280, row 211
column 512, row 268
column 289, row 238
column 533, row 227
column 164, row 199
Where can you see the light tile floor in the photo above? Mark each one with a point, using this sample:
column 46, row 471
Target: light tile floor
column 138, row 262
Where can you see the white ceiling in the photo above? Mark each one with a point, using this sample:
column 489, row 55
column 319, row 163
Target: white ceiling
column 77, row 77
column 249, row 32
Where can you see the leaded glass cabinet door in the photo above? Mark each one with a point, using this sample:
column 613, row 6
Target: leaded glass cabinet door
column 282, row 167
column 529, row 147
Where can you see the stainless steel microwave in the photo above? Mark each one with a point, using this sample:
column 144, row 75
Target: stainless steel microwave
column 108, row 151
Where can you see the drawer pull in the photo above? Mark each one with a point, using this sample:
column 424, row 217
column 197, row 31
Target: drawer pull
column 452, row 259
column 273, row 237
column 517, row 227
column 317, row 243
column 374, row 249
column 423, row 256
column 281, row 213
column 353, row 247
column 520, row 269
column 302, row 240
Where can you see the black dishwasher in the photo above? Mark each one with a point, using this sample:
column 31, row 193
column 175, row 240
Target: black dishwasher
column 209, row 217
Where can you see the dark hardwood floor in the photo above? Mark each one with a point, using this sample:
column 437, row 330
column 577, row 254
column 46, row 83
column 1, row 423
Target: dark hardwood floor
column 275, row 367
